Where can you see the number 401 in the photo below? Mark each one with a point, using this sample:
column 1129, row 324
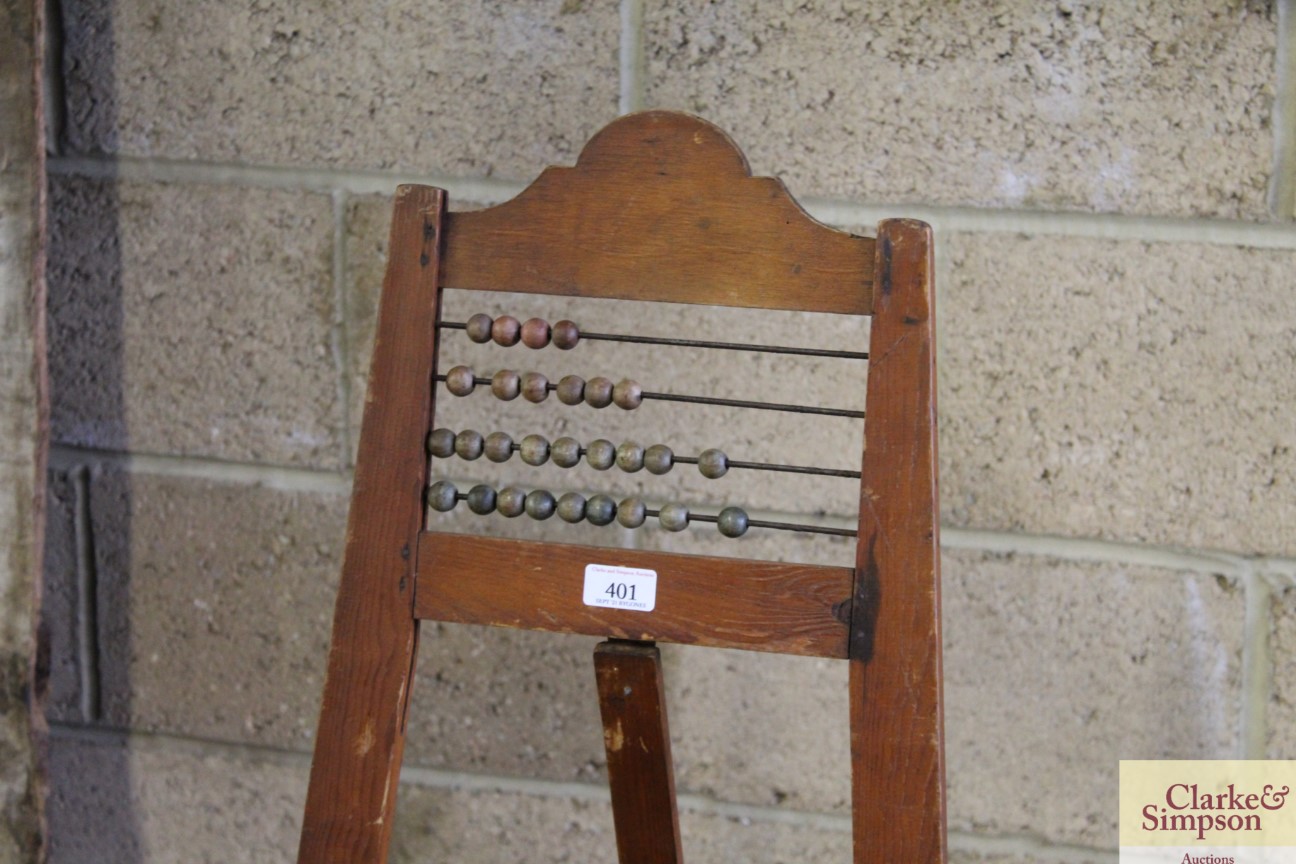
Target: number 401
column 620, row 591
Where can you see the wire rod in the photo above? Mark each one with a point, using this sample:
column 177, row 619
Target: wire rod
column 702, row 343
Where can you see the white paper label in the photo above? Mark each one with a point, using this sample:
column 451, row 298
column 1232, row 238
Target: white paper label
column 620, row 587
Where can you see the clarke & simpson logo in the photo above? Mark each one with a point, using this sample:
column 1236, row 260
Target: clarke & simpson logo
column 1207, row 812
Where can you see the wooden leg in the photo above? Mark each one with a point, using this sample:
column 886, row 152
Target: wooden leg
column 637, row 738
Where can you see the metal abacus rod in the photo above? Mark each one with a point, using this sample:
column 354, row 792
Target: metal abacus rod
column 599, row 392
column 632, row 512
column 537, row 333
column 600, row 454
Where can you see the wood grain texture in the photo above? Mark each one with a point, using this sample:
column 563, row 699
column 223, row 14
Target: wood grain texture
column 661, row 206
column 897, row 733
column 636, row 736
column 352, row 793
column 721, row 602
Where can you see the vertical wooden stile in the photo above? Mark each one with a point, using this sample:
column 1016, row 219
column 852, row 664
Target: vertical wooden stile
column 898, row 777
column 637, row 739
column 352, row 794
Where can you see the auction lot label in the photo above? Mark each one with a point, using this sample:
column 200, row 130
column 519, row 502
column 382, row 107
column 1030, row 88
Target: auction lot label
column 1207, row 812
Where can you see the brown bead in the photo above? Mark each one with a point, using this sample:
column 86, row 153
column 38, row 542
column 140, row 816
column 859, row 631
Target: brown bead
column 600, row 510
column 598, row 392
column 659, row 459
column 469, row 445
column 673, row 517
column 566, row 452
column 535, row 333
column 630, row 456
column 631, row 512
column 506, row 330
column 479, row 327
column 510, row 502
column 571, row 390
column 600, row 454
column 571, row 507
column 461, row 380
column 627, row 394
column 440, row 443
column 506, row 384
column 499, row 447
column 733, row 522
column 442, row 496
column 481, row 499
column 534, row 449
column 713, row 464
column 535, row 387
column 565, row 335
column 540, row 504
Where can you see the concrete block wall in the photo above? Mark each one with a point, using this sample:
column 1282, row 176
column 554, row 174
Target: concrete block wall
column 1112, row 191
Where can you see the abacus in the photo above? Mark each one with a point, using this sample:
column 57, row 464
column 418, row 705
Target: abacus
column 659, row 207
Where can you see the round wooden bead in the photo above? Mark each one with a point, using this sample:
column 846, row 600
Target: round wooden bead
column 631, row 512
column 713, row 463
column 630, row 456
column 510, row 502
column 535, row 333
column 440, row 443
column 506, row 384
column 571, row 507
column 571, row 390
column 442, row 496
column 600, row 454
column 469, row 445
column 627, row 394
column 600, row 510
column 566, row 452
column 479, row 327
column 598, row 392
column 732, row 521
column 673, row 517
column 535, row 387
column 461, row 380
column 565, row 334
column 540, row 504
column 499, row 447
column 506, row 330
column 535, row 449
column 481, row 499
column 658, row 459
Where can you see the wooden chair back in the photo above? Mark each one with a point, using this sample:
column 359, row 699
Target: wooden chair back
column 662, row 207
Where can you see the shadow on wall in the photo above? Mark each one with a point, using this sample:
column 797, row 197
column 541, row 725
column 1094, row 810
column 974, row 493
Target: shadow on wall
column 87, row 555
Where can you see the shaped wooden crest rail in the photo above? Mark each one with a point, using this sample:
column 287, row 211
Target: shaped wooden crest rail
column 661, row 207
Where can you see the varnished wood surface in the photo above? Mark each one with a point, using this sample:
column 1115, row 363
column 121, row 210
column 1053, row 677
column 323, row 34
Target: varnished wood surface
column 352, row 793
column 636, row 736
column 721, row 602
column 895, row 672
column 661, row 206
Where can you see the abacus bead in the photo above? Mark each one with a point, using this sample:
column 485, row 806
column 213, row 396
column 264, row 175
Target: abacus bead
column 598, row 392
column 571, row 390
column 673, row 517
column 629, row 456
column 440, row 443
column 535, row 333
column 565, row 452
column 442, row 496
column 571, row 507
column 600, row 454
column 481, row 499
column 732, row 521
column 600, row 510
column 510, row 502
column 658, row 459
column 535, row 387
column 713, row 463
column 461, row 380
column 499, row 447
column 479, row 327
column 535, row 450
column 469, row 445
column 627, row 394
column 540, row 504
column 506, row 384
column 565, row 334
column 506, row 330
column 631, row 512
